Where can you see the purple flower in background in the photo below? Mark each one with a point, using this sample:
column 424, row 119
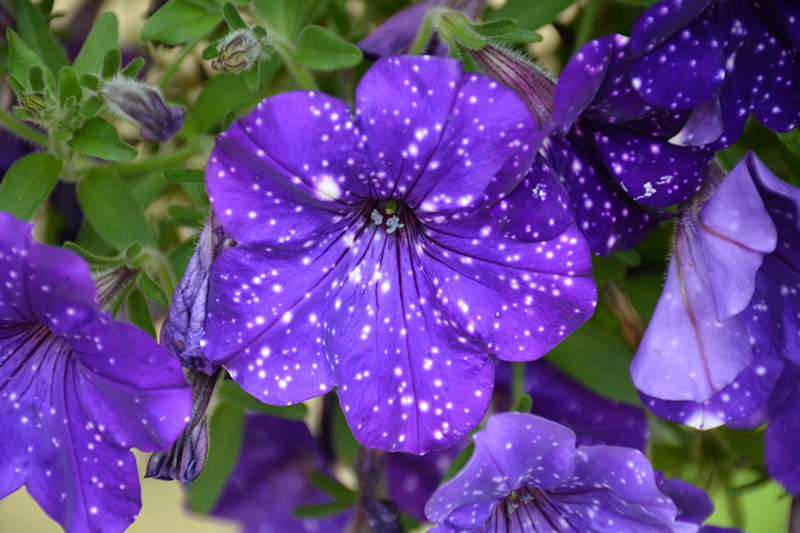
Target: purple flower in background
column 780, row 440
column 734, row 57
column 365, row 259
column 396, row 35
column 270, row 479
column 527, row 475
column 77, row 390
column 560, row 398
column 730, row 310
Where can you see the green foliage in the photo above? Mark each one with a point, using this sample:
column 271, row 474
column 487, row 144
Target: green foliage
column 28, row 183
column 459, row 462
column 333, row 488
column 34, row 30
column 138, row 313
column 101, row 38
column 21, row 59
column 321, row 49
column 234, row 394
column 179, row 21
column 232, row 17
column 523, row 404
column 323, row 510
column 153, row 291
column 109, row 206
column 98, row 138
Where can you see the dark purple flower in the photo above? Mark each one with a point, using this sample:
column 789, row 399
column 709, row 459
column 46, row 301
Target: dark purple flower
column 618, row 165
column 270, row 479
column 725, row 59
column 76, row 389
column 396, row 35
column 730, row 310
column 142, row 104
column 365, row 259
column 558, row 397
column 782, row 452
column 527, row 475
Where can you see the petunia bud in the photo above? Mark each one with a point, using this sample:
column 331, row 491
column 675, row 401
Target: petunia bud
column 34, row 102
column 522, row 76
column 143, row 104
column 238, row 51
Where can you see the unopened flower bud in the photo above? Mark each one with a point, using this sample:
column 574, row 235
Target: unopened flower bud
column 520, row 75
column 143, row 104
column 34, row 102
column 238, row 51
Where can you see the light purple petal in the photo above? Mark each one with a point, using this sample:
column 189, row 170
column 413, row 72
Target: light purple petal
column 782, row 452
column 441, row 135
column 581, row 79
column 705, row 125
column 515, row 450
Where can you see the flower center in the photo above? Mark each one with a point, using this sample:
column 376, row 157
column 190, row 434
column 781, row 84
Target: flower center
column 393, row 213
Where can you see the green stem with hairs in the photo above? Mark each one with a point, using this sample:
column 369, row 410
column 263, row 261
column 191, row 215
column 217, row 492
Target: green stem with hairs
column 518, row 383
column 154, row 162
column 586, row 24
column 8, row 122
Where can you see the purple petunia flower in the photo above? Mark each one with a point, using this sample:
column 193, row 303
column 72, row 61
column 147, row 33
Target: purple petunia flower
column 76, row 389
column 611, row 153
column 734, row 57
column 730, row 310
column 270, row 479
column 527, row 475
column 365, row 259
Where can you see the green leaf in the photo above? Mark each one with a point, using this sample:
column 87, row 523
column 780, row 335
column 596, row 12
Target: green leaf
column 232, row 17
column 133, row 68
column 33, row 29
column 323, row 510
column 459, row 462
column 494, row 28
column 21, row 58
column 152, row 290
column 185, row 175
column 523, row 404
column 531, row 14
column 192, row 217
column 68, row 86
column 179, row 21
column 234, row 394
column 284, row 16
column 344, row 443
column 103, row 36
column 98, row 138
column 36, row 79
column 321, row 49
column 333, row 488
column 28, row 183
column 210, row 52
column 95, row 260
column 90, row 81
column 228, row 119
column 111, row 209
column 23, row 114
column 112, row 59
column 225, row 439
column 139, row 314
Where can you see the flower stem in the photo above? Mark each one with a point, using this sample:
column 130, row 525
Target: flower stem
column 518, row 383
column 153, row 162
column 172, row 68
column 12, row 125
column 586, row 24
column 424, row 34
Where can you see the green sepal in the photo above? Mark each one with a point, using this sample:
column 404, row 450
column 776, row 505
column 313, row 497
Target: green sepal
column 139, row 314
column 259, row 31
column 36, row 79
column 251, row 76
column 133, row 68
column 461, row 29
column 132, row 252
column 185, row 175
column 28, row 183
column 228, row 119
column 89, row 80
column 91, row 106
column 459, row 462
column 210, row 52
column 121, row 296
column 495, row 28
column 152, row 290
column 518, row 37
column 462, row 52
column 321, row 49
column 324, row 510
column 94, row 260
column 232, row 17
column 60, row 134
column 333, row 488
column 523, row 404
column 22, row 114
column 68, row 86
column 112, row 60
column 98, row 138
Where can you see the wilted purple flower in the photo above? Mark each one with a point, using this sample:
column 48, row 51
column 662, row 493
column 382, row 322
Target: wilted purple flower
column 527, row 475
column 733, row 57
column 366, row 261
column 560, row 398
column 142, row 103
column 396, row 35
column 270, row 479
column 76, row 389
column 730, row 310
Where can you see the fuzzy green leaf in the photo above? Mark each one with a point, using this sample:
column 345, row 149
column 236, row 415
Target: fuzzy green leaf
column 152, row 290
column 232, row 17
column 321, row 49
column 98, row 138
column 179, row 21
column 139, row 314
column 28, row 183
column 103, row 36
column 34, row 30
